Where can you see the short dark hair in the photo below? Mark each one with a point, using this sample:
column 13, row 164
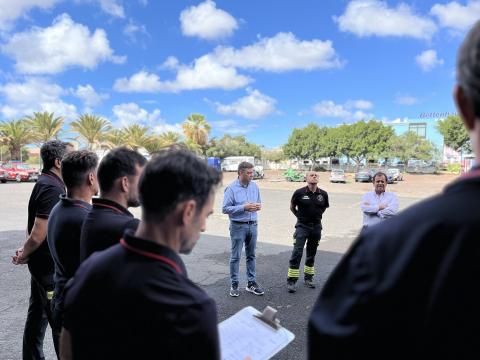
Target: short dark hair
column 379, row 173
column 117, row 163
column 51, row 151
column 468, row 67
column 244, row 165
column 76, row 165
column 174, row 176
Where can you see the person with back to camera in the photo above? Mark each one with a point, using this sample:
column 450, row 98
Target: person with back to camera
column 407, row 288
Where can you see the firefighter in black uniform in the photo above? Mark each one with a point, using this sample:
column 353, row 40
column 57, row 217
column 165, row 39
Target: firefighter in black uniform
column 308, row 204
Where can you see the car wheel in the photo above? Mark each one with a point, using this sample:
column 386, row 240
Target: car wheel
column 4, row 181
column 18, row 178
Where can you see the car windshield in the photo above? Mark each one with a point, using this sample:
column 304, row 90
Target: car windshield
column 337, row 172
column 23, row 167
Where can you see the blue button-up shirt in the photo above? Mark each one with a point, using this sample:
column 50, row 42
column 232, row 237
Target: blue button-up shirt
column 370, row 207
column 235, row 197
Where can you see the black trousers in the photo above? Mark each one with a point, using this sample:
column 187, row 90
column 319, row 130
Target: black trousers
column 38, row 317
column 309, row 234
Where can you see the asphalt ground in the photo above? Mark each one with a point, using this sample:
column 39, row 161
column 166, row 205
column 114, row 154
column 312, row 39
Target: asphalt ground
column 207, row 264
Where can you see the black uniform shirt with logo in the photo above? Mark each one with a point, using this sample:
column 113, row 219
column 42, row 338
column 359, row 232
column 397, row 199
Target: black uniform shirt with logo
column 134, row 301
column 310, row 205
column 45, row 194
column 104, row 226
column 64, row 228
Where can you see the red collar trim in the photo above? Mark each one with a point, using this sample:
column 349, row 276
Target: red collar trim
column 54, row 177
column 110, row 207
column 151, row 255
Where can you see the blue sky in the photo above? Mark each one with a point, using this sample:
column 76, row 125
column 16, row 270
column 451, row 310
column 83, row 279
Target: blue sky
column 258, row 68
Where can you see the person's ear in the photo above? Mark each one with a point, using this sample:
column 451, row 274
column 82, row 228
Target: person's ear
column 125, row 185
column 465, row 107
column 91, row 179
column 58, row 163
column 188, row 211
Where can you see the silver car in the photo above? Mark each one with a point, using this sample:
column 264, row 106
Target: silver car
column 338, row 176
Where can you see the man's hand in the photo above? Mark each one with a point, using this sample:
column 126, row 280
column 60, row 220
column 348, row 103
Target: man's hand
column 252, row 207
column 382, row 206
column 19, row 259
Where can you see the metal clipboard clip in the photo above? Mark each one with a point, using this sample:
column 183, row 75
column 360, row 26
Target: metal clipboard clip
column 269, row 316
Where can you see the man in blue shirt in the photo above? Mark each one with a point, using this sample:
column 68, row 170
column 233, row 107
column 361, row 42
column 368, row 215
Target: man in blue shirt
column 241, row 202
column 378, row 205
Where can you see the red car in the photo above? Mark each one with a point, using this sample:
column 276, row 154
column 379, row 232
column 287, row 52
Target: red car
column 18, row 171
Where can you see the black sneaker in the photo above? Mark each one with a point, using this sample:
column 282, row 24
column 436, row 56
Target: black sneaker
column 234, row 290
column 253, row 287
column 291, row 286
column 309, row 283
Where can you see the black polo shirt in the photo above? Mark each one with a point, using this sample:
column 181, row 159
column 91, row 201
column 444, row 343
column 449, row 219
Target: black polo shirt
column 134, row 301
column 104, row 226
column 310, row 205
column 64, row 228
column 45, row 195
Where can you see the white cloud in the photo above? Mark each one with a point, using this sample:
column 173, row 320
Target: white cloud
column 406, row 100
column 253, row 106
column 131, row 30
column 232, row 127
column 13, row 9
column 171, row 63
column 387, row 121
column 204, row 73
column 35, row 94
column 54, row 49
column 139, row 82
column 283, row 52
column 143, row 2
column 89, row 96
column 176, row 128
column 456, row 16
column 207, row 22
column 328, row 109
column 374, row 17
column 428, row 60
column 130, row 113
column 112, row 7
column 359, row 104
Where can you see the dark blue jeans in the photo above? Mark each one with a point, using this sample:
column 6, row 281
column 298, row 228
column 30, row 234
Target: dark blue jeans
column 243, row 234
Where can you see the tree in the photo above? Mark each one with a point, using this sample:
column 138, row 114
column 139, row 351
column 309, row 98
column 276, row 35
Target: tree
column 232, row 146
column 411, row 146
column 366, row 140
column 306, row 143
column 15, row 135
column 273, row 155
column 169, row 138
column 45, row 126
column 196, row 130
column 454, row 133
column 115, row 137
column 92, row 129
column 136, row 136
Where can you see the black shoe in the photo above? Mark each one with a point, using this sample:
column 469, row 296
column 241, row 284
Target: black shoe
column 254, row 288
column 234, row 289
column 291, row 286
column 309, row 283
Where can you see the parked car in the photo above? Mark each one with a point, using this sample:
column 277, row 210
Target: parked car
column 396, row 174
column 337, row 176
column 292, row 175
column 258, row 172
column 3, row 176
column 18, row 171
column 363, row 176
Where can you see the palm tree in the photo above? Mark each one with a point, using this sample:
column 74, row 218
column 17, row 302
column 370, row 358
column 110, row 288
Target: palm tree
column 169, row 138
column 196, row 130
column 92, row 129
column 45, row 126
column 115, row 137
column 15, row 134
column 136, row 136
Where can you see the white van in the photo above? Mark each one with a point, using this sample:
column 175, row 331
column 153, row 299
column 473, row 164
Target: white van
column 231, row 163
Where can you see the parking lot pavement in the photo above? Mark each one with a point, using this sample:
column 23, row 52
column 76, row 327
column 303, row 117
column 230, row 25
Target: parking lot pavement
column 207, row 265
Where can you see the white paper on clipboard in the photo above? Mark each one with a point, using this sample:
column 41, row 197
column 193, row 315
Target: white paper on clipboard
column 243, row 336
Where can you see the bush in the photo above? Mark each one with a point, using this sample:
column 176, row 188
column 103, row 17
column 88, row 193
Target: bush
column 454, row 168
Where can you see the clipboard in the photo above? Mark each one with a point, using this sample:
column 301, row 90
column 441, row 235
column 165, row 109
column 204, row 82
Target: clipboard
column 252, row 335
